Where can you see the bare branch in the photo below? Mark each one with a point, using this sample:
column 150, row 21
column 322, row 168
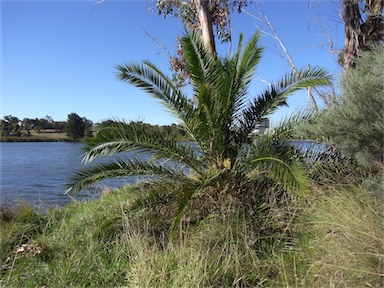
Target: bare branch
column 286, row 56
column 264, row 19
column 93, row 6
column 160, row 44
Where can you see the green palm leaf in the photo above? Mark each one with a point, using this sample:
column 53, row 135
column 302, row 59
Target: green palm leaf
column 149, row 78
column 287, row 127
column 119, row 137
column 276, row 95
column 279, row 161
column 120, row 168
column 201, row 64
column 189, row 193
column 291, row 176
column 159, row 193
column 246, row 65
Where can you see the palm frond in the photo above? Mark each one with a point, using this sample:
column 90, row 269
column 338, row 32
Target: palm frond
column 291, row 176
column 153, row 194
column 201, row 64
column 189, row 193
column 237, row 73
column 248, row 61
column 278, row 160
column 119, row 137
column 276, row 95
column 220, row 87
column 285, row 129
column 120, row 168
column 183, row 205
column 240, row 71
column 149, row 78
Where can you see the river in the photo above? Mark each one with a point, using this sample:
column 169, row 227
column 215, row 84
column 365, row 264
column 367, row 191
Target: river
column 37, row 173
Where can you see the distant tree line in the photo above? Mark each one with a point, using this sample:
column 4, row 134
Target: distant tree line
column 174, row 131
column 75, row 127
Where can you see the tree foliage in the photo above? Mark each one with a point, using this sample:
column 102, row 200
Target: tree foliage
column 12, row 125
column 219, row 11
column 199, row 15
column 172, row 131
column 77, row 127
column 356, row 123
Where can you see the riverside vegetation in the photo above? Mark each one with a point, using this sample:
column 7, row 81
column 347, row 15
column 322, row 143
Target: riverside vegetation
column 265, row 216
column 12, row 131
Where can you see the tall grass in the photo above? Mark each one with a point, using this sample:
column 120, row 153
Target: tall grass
column 36, row 137
column 333, row 239
column 101, row 244
column 74, row 247
column 341, row 241
column 215, row 254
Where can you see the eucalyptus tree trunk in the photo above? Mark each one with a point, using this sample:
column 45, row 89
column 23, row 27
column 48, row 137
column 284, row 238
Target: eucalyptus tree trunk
column 359, row 33
column 205, row 23
column 351, row 19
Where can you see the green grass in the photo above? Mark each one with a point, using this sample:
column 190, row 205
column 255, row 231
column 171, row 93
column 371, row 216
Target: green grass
column 37, row 137
column 52, row 135
column 335, row 239
column 340, row 242
column 77, row 247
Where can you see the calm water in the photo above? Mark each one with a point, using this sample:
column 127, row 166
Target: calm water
column 38, row 172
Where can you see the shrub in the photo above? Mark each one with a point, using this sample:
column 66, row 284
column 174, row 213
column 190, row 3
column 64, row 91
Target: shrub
column 356, row 124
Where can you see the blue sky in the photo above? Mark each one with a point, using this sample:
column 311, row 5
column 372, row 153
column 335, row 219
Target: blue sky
column 58, row 57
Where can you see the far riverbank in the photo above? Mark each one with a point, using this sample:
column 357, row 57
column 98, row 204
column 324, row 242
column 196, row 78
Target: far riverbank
column 38, row 137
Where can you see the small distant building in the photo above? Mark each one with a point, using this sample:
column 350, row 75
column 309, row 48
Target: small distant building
column 261, row 128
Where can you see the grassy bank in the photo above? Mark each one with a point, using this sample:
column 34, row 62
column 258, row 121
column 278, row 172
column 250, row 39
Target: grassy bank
column 37, row 137
column 333, row 238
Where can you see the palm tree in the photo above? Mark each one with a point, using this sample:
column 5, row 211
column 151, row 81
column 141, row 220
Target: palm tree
column 219, row 125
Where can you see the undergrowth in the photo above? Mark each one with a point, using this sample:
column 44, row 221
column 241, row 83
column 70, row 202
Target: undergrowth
column 333, row 238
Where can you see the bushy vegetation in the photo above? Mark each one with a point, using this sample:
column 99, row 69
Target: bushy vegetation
column 172, row 131
column 356, row 124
